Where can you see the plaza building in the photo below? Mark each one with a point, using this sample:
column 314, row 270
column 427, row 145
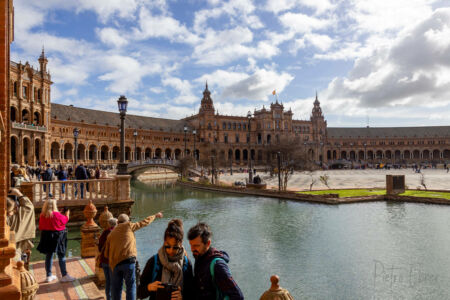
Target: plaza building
column 43, row 131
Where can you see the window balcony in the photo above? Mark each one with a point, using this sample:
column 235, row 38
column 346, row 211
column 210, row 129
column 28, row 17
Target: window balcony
column 31, row 127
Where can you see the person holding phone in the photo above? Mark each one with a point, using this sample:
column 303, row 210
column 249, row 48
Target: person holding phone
column 52, row 225
column 168, row 274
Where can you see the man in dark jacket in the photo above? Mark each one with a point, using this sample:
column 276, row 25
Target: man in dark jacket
column 212, row 277
column 48, row 176
column 80, row 174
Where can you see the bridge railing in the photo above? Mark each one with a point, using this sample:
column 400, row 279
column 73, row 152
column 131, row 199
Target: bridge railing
column 154, row 161
column 105, row 190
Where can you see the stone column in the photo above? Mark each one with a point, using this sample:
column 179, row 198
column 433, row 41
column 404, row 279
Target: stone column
column 9, row 276
column 122, row 187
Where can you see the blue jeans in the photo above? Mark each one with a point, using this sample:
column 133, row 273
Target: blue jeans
column 108, row 275
column 81, row 189
column 124, row 272
column 63, row 186
column 49, row 189
column 49, row 262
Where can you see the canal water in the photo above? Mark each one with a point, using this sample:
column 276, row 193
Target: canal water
column 357, row 251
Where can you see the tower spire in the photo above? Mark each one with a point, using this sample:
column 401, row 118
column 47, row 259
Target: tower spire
column 43, row 61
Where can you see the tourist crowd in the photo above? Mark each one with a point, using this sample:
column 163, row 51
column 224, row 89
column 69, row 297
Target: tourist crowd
column 168, row 274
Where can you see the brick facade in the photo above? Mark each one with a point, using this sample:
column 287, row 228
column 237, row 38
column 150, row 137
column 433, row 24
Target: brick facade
column 42, row 131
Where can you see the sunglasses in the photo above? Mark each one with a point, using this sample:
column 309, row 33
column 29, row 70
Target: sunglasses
column 176, row 248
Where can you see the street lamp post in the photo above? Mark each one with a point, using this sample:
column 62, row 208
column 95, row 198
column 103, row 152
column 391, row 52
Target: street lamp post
column 194, row 132
column 279, row 170
column 249, row 154
column 185, row 132
column 75, row 137
column 122, row 104
column 135, row 134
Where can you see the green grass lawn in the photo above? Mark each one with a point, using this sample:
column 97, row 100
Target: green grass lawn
column 362, row 192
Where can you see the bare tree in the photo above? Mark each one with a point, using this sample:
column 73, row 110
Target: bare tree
column 324, row 179
column 185, row 164
column 289, row 156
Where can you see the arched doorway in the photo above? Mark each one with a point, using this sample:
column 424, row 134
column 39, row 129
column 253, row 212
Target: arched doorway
column 81, row 149
column 25, row 116
column 344, row 154
column 388, row 154
column 68, row 151
column 26, row 149
column 104, row 152
column 13, row 115
column 370, row 154
column 92, row 152
column 127, row 153
column 37, row 150
column 177, row 153
column 36, row 119
column 148, row 153
column 138, row 153
column 168, row 153
column 116, row 153
column 14, row 150
column 54, row 152
column 158, row 153
column 436, row 155
column 416, row 154
column 237, row 155
column 407, row 154
column 245, row 154
column 426, row 154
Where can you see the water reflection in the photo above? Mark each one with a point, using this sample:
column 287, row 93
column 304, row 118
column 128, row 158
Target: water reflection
column 320, row 252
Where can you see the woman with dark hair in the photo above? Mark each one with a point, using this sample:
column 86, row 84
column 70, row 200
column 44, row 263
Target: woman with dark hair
column 169, row 269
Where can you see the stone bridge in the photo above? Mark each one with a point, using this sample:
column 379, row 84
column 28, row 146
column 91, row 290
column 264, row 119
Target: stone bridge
column 136, row 167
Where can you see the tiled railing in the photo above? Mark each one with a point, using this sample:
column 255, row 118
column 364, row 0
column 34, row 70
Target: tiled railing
column 28, row 127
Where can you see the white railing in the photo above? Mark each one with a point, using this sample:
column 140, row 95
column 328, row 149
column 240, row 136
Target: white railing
column 94, row 189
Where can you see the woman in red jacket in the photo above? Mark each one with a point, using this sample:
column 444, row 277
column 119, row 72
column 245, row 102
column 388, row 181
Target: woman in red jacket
column 52, row 225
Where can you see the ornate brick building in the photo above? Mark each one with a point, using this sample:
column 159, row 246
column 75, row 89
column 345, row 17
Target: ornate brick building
column 43, row 131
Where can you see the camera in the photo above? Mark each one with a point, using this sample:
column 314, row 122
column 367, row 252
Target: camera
column 166, row 292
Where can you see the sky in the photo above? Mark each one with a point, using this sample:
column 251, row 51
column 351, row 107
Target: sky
column 372, row 62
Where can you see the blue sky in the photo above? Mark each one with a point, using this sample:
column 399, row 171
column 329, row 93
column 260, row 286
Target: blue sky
column 379, row 61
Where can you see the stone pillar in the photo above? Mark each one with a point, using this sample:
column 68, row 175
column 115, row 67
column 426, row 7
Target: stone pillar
column 28, row 284
column 9, row 277
column 90, row 232
column 122, row 187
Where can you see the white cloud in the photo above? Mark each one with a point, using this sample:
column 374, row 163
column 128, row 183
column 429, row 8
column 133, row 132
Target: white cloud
column 413, row 71
column 126, row 73
column 258, row 86
column 160, row 26
column 184, row 88
column 320, row 41
column 111, row 37
column 301, row 23
column 319, row 6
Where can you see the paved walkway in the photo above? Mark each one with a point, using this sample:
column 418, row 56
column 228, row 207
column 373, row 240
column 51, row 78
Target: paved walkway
column 82, row 288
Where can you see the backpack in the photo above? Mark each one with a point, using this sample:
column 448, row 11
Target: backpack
column 156, row 266
column 219, row 294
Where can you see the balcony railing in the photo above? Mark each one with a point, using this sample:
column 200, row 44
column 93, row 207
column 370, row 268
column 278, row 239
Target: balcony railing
column 17, row 125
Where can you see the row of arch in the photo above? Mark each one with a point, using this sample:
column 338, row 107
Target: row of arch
column 25, row 116
column 416, row 154
column 27, row 149
column 107, row 153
